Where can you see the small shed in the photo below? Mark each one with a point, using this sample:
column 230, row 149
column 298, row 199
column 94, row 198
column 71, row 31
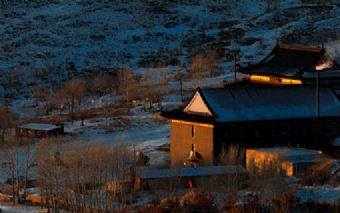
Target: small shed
column 153, row 178
column 39, row 130
column 289, row 161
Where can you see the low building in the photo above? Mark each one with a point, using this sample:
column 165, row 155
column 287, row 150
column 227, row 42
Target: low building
column 287, row 160
column 4, row 198
column 264, row 116
column 170, row 178
column 39, row 130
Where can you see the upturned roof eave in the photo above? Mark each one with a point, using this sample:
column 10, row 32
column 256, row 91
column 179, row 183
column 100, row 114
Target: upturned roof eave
column 251, row 68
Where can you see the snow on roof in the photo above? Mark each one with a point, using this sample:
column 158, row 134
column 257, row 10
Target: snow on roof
column 305, row 161
column 323, row 74
column 287, row 60
column 289, row 151
column 273, row 103
column 294, row 155
column 38, row 126
column 149, row 173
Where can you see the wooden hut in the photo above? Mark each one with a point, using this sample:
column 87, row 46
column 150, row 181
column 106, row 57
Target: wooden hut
column 39, row 130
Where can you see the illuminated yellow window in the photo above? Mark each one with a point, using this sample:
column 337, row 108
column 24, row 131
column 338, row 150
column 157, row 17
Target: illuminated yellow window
column 274, row 80
column 287, row 168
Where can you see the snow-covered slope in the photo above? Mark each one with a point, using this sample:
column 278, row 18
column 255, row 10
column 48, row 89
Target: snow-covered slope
column 8, row 208
column 46, row 42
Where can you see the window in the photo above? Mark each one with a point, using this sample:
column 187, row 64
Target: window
column 193, row 147
column 193, row 131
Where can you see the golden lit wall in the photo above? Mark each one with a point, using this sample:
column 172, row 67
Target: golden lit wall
column 183, row 135
column 257, row 161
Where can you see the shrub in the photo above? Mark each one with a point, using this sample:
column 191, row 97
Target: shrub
column 312, row 206
column 196, row 202
column 318, row 174
column 151, row 209
column 285, row 203
column 251, row 206
column 170, row 204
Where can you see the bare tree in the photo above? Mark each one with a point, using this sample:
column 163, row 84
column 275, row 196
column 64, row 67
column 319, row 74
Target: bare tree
column 270, row 182
column 71, row 92
column 51, row 169
column 125, row 83
column 7, row 121
column 203, row 65
column 41, row 94
column 81, row 177
column 155, row 84
column 212, row 62
column 163, row 85
column 11, row 158
column 197, row 68
column 27, row 159
column 101, row 84
column 58, row 102
column 149, row 85
column 233, row 154
column 233, row 158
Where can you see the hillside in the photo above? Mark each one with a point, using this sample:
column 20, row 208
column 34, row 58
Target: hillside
column 47, row 42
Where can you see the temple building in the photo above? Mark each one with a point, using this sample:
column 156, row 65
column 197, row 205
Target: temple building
column 290, row 64
column 264, row 116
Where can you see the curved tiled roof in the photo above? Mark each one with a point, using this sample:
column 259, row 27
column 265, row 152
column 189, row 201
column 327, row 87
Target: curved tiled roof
column 290, row 60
